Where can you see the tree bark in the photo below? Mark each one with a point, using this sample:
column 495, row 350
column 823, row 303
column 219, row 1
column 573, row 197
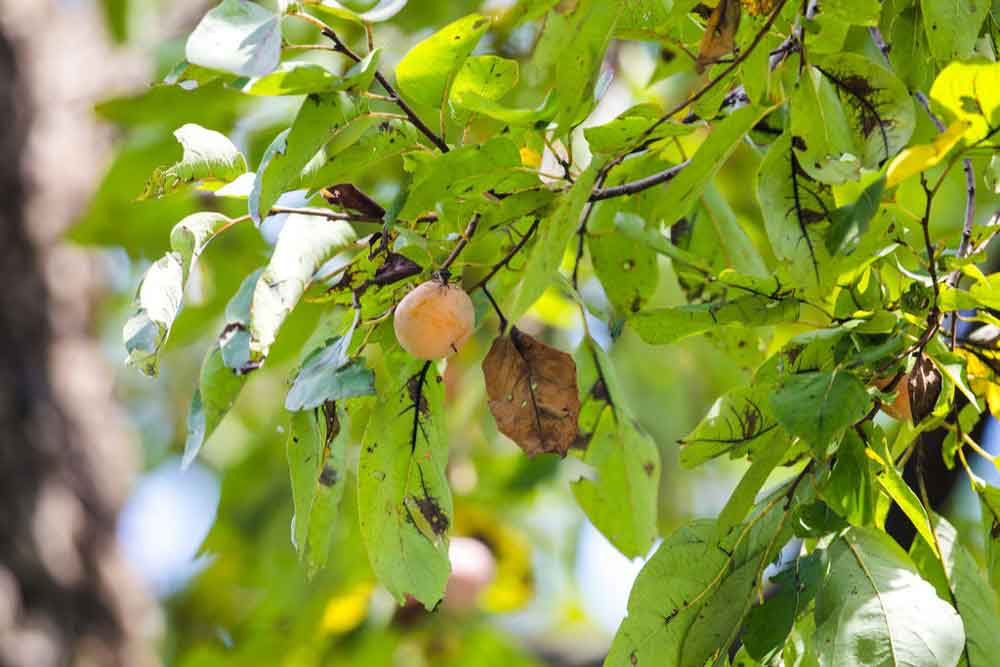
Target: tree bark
column 65, row 595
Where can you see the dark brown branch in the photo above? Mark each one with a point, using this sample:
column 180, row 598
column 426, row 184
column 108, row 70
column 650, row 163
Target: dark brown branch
column 639, row 185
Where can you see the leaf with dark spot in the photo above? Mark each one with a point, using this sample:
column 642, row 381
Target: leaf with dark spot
column 619, row 493
column 404, row 503
column 316, row 445
column 532, row 392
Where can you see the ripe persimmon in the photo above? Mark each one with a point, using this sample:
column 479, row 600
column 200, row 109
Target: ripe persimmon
column 434, row 320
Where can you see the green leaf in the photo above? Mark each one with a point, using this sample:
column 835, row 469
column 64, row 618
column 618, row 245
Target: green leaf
column 464, row 174
column 691, row 596
column 874, row 609
column 322, row 119
column 328, row 374
column 957, row 576
column 850, row 489
column 208, row 156
column 161, row 292
column 854, row 12
column 878, row 105
column 970, row 92
column 302, row 78
column 486, row 77
column 825, row 149
column 850, row 222
column 404, row 502
column 304, row 245
column 685, row 189
column 625, row 131
column 239, row 37
column 425, row 73
column 890, row 479
column 769, row 624
column 628, row 271
column 990, row 505
column 818, row 406
column 316, row 448
column 515, row 117
column 621, row 500
column 662, row 326
column 116, row 18
column 587, row 26
column 738, row 421
column 952, row 27
column 338, row 164
column 910, row 55
column 553, row 235
column 641, row 19
column 766, row 457
column 219, row 385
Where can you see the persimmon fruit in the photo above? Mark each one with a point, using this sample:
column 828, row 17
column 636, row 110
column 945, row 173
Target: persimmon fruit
column 434, row 320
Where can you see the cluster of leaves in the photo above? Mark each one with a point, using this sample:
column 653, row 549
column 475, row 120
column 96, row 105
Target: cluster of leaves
column 842, row 294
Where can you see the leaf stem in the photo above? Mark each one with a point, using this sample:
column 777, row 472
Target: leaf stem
column 467, row 235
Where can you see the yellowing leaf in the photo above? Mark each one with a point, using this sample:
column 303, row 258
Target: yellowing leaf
column 916, row 159
column 530, row 158
column 346, row 611
column 970, row 92
column 982, row 381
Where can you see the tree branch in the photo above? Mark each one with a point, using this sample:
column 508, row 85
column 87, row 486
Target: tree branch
column 341, row 47
column 737, row 61
column 970, row 209
column 639, row 185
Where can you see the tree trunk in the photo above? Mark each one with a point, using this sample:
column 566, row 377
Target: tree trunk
column 65, row 595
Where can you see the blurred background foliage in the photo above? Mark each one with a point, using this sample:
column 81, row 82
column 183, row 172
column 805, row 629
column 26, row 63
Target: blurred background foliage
column 214, row 541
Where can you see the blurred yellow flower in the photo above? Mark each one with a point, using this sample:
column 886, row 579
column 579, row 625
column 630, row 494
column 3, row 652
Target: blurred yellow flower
column 346, row 611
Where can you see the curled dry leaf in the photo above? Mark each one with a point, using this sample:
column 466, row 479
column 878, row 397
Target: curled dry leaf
column 532, row 392
column 346, row 195
column 924, row 387
column 720, row 33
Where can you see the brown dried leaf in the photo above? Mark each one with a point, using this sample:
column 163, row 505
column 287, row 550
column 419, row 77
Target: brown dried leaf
column 924, row 386
column 351, row 198
column 720, row 33
column 532, row 393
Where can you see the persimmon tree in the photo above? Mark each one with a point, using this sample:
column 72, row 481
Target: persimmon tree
column 852, row 291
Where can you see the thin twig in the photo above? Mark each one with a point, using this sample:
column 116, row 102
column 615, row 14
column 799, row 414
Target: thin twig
column 337, row 215
column 508, row 257
column 341, row 47
column 970, row 210
column 639, row 185
column 467, row 235
column 701, row 92
column 581, row 231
